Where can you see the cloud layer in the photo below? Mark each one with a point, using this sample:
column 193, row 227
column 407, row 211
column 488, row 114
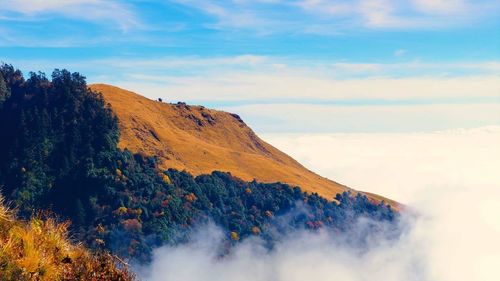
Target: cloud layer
column 285, row 95
column 402, row 166
column 448, row 177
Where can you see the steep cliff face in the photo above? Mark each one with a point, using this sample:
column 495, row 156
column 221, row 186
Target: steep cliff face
column 201, row 140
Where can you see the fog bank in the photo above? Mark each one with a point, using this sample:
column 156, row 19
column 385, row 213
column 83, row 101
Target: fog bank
column 450, row 178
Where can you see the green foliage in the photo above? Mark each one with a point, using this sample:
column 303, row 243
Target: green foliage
column 59, row 151
column 55, row 138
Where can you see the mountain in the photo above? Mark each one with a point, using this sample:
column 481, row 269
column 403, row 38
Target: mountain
column 60, row 151
column 201, row 140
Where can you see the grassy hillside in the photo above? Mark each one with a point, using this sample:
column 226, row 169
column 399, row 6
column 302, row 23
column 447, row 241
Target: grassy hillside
column 39, row 249
column 201, row 140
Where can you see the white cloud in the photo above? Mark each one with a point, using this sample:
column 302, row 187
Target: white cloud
column 403, row 14
column 102, row 11
column 303, row 256
column 380, row 13
column 334, row 17
column 188, row 62
column 273, row 93
column 253, row 78
column 453, row 186
column 441, row 6
column 324, row 118
column 280, row 94
column 234, row 14
column 400, row 165
column 277, row 86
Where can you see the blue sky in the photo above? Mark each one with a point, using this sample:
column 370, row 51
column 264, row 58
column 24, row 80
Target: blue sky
column 263, row 58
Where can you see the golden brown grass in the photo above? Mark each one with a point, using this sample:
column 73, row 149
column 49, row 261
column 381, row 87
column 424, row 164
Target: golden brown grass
column 201, row 140
column 39, row 249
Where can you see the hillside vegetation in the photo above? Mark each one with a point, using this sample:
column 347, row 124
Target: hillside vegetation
column 39, row 249
column 60, row 152
column 201, row 140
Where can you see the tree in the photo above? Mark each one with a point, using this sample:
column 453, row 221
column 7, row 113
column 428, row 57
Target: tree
column 4, row 91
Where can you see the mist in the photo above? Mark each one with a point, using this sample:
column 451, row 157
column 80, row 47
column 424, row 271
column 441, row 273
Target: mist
column 450, row 230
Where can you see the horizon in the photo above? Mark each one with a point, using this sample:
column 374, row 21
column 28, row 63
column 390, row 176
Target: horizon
column 388, row 62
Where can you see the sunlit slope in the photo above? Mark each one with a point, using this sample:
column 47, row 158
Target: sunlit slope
column 201, row 140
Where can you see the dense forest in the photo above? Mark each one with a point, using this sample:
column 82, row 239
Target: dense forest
column 58, row 152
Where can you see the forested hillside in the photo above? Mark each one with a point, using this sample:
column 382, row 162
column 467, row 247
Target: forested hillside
column 59, row 152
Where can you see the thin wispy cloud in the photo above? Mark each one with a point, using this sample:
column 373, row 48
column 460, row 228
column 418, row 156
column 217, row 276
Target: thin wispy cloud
column 160, row 68
column 290, row 95
column 330, row 17
column 256, row 78
column 248, row 55
column 268, row 86
column 283, row 96
column 99, row 11
column 443, row 6
column 342, row 29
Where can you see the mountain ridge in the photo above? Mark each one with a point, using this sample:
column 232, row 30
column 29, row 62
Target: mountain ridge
column 217, row 141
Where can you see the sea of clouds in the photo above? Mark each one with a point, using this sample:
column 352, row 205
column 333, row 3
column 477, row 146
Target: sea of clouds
column 450, row 179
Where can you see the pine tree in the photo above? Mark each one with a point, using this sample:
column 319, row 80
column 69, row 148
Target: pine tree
column 4, row 91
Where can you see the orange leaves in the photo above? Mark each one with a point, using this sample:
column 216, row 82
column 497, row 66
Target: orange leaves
column 100, row 229
column 132, row 225
column 256, row 230
column 191, row 197
column 120, row 211
column 120, row 177
column 124, row 211
column 235, row 236
column 165, row 179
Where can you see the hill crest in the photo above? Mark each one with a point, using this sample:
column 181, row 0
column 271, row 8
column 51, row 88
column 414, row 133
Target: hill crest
column 201, row 140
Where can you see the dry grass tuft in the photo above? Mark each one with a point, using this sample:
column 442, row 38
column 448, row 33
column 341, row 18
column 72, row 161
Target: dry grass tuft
column 39, row 249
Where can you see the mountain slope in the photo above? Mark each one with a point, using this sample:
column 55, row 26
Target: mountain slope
column 60, row 152
column 201, row 140
column 40, row 249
